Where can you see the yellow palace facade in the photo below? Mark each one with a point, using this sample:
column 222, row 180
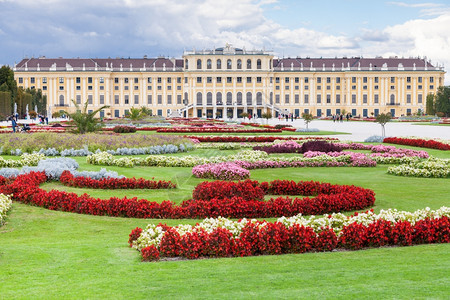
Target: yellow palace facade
column 224, row 82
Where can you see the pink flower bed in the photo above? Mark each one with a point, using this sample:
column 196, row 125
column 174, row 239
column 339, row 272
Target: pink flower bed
column 221, row 171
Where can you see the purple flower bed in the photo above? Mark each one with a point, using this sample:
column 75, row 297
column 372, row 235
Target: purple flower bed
column 285, row 147
column 321, row 146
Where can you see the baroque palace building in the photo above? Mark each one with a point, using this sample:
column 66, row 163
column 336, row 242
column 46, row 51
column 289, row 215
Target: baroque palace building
column 225, row 82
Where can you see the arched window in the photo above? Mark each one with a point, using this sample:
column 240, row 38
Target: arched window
column 61, row 100
column 199, row 64
column 259, row 98
column 392, row 99
column 229, row 98
column 186, row 64
column 239, row 64
column 219, row 64
column 229, row 64
column 219, row 98
column 185, row 100
column 199, row 99
column 208, row 64
column 258, row 64
column 249, row 64
column 249, row 98
column 239, row 98
column 209, row 98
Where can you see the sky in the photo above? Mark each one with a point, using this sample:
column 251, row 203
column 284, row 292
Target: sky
column 134, row 28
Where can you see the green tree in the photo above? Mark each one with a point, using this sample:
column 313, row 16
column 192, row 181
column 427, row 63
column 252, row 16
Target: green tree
column 146, row 111
column 382, row 119
column 7, row 79
column 430, row 105
column 442, row 100
column 84, row 120
column 307, row 117
column 135, row 114
column 244, row 115
column 267, row 115
column 37, row 99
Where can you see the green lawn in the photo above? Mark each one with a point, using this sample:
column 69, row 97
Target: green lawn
column 48, row 254
column 430, row 124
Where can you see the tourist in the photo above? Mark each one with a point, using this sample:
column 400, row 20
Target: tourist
column 14, row 123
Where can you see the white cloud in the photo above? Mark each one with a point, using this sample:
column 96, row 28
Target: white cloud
column 155, row 27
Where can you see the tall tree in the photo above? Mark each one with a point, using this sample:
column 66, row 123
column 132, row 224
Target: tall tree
column 307, row 117
column 442, row 102
column 430, row 105
column 37, row 99
column 7, row 82
column 382, row 119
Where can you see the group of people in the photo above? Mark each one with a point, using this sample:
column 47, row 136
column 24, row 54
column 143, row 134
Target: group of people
column 340, row 117
column 15, row 126
column 43, row 119
column 287, row 116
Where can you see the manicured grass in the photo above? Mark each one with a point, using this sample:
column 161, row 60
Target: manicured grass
column 430, row 124
column 48, row 254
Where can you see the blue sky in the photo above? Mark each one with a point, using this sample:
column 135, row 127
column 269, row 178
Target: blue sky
column 133, row 28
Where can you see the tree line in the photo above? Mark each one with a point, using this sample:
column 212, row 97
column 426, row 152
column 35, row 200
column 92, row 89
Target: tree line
column 10, row 94
column 439, row 103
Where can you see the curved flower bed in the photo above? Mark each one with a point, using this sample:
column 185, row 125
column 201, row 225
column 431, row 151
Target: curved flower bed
column 433, row 167
column 224, row 238
column 332, row 198
column 5, row 206
column 418, row 143
column 114, row 183
column 216, row 129
column 253, row 139
column 247, row 159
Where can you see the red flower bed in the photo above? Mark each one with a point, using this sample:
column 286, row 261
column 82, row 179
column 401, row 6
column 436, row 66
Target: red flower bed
column 275, row 238
column 417, row 143
column 216, row 129
column 114, row 183
column 252, row 139
column 330, row 198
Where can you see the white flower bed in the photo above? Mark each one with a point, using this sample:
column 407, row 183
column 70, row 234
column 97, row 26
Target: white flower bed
column 433, row 167
column 5, row 205
column 25, row 160
column 153, row 234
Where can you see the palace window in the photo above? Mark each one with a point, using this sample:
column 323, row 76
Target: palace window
column 249, row 64
column 208, row 64
column 199, row 64
column 239, row 64
column 219, row 64
column 258, row 64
